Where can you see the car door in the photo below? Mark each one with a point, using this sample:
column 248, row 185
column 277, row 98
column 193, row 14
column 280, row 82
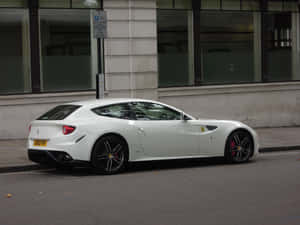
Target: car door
column 162, row 132
column 124, row 125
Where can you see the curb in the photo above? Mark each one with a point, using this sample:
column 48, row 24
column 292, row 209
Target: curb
column 11, row 169
column 279, row 149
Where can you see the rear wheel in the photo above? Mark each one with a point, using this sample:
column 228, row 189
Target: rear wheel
column 239, row 147
column 110, row 155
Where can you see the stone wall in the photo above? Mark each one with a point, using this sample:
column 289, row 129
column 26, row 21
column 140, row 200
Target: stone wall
column 258, row 105
column 131, row 48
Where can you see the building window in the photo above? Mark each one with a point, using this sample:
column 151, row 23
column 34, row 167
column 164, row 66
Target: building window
column 282, row 5
column 65, row 50
column 174, row 4
column 227, row 47
column 69, row 3
column 230, row 4
column 175, row 48
column 278, row 46
column 175, row 43
column 211, row 4
column 15, row 51
column 252, row 5
column 13, row 3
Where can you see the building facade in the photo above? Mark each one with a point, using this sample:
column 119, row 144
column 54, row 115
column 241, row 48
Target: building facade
column 226, row 59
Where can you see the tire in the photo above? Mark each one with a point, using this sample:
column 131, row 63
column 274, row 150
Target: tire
column 239, row 147
column 110, row 155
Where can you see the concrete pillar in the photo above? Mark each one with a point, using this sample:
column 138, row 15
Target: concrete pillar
column 131, row 49
column 295, row 46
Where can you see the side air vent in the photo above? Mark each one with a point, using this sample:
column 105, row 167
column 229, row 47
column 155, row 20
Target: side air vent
column 211, row 127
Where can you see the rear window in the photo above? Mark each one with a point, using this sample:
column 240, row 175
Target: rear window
column 59, row 112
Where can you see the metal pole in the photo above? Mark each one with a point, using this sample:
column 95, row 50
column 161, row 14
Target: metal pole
column 99, row 68
column 100, row 57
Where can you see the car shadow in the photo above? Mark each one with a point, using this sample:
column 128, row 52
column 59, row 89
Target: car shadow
column 173, row 164
column 140, row 167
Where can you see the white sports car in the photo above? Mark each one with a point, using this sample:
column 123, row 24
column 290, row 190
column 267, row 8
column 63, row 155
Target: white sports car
column 108, row 133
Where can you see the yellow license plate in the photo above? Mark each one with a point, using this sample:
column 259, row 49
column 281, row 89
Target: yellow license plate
column 40, row 143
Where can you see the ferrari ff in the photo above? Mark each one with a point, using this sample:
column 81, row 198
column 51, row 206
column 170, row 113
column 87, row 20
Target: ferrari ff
column 109, row 133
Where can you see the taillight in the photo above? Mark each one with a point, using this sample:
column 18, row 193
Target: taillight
column 68, row 129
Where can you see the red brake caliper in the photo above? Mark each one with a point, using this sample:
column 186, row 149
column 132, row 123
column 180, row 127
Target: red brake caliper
column 232, row 146
column 116, row 156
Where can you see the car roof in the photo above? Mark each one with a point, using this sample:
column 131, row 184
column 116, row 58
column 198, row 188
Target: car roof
column 108, row 101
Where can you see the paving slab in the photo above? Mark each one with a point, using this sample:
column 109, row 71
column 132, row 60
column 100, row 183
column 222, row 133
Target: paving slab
column 279, row 137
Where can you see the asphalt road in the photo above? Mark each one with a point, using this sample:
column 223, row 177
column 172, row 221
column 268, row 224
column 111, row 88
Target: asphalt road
column 264, row 192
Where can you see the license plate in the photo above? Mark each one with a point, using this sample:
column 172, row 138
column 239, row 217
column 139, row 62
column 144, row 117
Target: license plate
column 40, row 143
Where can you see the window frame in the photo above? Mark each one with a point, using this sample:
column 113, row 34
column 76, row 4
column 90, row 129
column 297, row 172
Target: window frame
column 111, row 105
column 52, row 114
column 161, row 105
column 133, row 116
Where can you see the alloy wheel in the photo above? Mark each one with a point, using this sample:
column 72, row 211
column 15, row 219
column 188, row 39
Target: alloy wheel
column 240, row 146
column 110, row 155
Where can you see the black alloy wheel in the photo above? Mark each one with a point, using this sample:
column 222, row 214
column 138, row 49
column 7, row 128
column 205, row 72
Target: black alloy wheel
column 110, row 155
column 239, row 147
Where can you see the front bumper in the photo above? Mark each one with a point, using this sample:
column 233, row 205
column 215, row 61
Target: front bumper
column 47, row 157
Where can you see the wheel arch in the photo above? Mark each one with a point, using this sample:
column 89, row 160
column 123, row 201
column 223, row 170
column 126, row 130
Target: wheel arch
column 110, row 134
column 240, row 129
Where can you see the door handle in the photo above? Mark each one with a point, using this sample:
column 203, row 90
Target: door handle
column 141, row 131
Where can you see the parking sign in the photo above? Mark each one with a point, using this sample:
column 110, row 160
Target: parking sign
column 100, row 24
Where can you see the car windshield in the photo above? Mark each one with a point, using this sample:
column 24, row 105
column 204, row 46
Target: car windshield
column 59, row 112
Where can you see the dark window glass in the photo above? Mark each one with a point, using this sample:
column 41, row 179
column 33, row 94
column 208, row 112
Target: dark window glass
column 66, row 50
column 69, row 3
column 275, row 5
column 283, row 5
column 278, row 46
column 231, row 4
column 176, row 4
column 120, row 111
column 251, row 5
column 60, row 112
column 211, row 4
column 175, row 48
column 290, row 5
column 13, row 3
column 151, row 111
column 14, row 51
column 227, row 52
column 85, row 3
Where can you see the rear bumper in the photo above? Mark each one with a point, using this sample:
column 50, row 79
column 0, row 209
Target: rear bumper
column 47, row 157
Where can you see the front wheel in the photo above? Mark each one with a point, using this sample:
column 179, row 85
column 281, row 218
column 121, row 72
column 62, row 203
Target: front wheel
column 239, row 147
column 110, row 155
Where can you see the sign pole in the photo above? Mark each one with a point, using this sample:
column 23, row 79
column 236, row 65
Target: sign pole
column 100, row 32
column 99, row 68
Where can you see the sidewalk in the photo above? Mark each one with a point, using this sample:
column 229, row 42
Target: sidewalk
column 13, row 153
column 13, row 156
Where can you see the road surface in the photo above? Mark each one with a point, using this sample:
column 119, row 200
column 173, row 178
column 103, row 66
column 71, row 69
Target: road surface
column 263, row 192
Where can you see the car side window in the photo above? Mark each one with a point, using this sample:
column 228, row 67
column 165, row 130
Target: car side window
column 153, row 111
column 120, row 111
